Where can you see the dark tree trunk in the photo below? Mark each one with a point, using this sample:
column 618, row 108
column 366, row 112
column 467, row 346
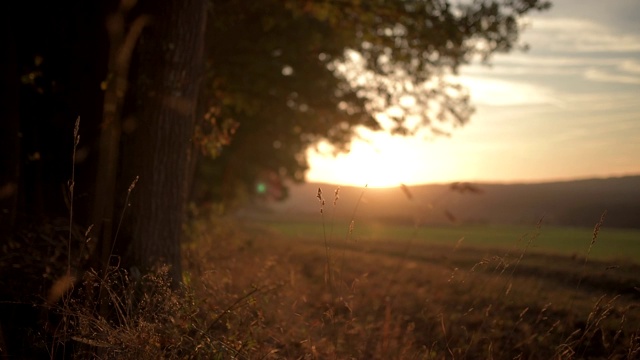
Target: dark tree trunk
column 122, row 43
column 9, row 129
column 168, row 73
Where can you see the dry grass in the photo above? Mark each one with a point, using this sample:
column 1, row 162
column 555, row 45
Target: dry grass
column 251, row 293
column 393, row 306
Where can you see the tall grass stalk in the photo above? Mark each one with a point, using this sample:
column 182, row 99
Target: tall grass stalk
column 596, row 231
column 328, row 276
column 524, row 251
column 72, row 184
column 124, row 209
column 352, row 220
column 103, row 303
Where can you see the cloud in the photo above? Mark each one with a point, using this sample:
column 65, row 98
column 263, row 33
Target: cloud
column 594, row 102
column 578, row 35
column 631, row 66
column 505, row 70
column 617, row 69
column 494, row 92
column 557, row 61
column 604, row 76
column 621, row 15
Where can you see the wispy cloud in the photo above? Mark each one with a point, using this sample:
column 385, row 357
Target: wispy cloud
column 604, row 76
column 495, row 92
column 631, row 66
column 579, row 35
column 530, row 69
column 592, row 102
column 554, row 60
column 618, row 70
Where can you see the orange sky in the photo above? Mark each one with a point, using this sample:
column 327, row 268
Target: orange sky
column 568, row 108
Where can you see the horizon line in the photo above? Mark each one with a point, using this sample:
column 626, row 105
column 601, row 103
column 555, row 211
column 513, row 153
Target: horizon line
column 487, row 182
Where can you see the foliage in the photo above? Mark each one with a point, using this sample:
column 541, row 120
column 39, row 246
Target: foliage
column 291, row 73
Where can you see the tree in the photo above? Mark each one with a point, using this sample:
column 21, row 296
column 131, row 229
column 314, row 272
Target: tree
column 284, row 75
column 157, row 146
column 102, row 61
column 60, row 68
column 9, row 131
column 160, row 151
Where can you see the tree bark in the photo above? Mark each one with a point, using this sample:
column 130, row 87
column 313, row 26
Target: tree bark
column 122, row 44
column 9, row 129
column 169, row 68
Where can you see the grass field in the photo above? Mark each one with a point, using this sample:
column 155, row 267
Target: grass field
column 304, row 290
column 612, row 244
column 401, row 293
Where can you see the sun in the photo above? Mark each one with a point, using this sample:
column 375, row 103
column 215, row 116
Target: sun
column 380, row 161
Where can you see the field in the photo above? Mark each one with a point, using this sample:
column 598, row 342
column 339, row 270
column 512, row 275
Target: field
column 287, row 288
column 313, row 291
column 612, row 244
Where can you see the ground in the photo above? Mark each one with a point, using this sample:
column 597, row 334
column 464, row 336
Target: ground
column 411, row 298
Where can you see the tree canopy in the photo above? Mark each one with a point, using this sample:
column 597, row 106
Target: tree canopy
column 284, row 75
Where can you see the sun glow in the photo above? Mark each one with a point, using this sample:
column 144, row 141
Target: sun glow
column 539, row 114
column 380, row 161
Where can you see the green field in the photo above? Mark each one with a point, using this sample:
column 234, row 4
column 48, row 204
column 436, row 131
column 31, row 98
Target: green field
column 610, row 244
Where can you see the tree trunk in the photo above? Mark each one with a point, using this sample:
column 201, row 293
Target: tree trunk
column 168, row 73
column 9, row 129
column 122, row 44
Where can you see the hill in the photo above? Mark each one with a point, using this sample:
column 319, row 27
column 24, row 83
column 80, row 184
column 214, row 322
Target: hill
column 568, row 203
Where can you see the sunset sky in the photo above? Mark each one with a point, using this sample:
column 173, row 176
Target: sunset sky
column 568, row 108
